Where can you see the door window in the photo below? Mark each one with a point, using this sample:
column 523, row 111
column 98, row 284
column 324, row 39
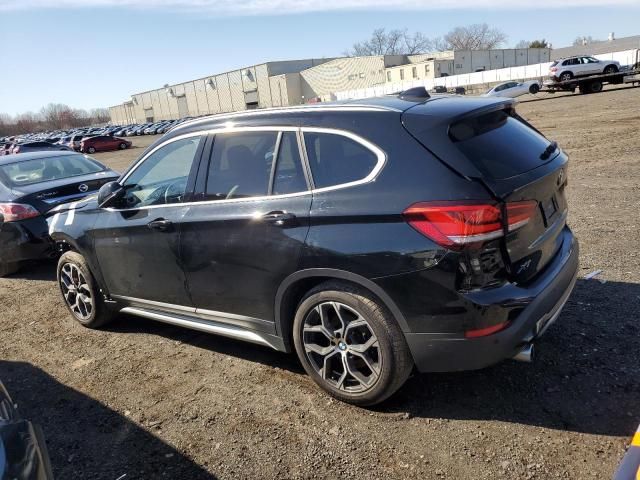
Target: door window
column 336, row 159
column 162, row 176
column 240, row 165
column 289, row 175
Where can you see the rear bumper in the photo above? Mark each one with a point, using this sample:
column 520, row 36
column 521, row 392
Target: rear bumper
column 541, row 303
column 25, row 240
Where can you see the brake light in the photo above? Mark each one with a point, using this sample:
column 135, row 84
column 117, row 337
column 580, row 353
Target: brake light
column 519, row 213
column 12, row 212
column 454, row 225
column 16, row 149
column 553, row 69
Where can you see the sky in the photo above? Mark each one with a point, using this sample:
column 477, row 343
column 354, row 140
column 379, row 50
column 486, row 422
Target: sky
column 96, row 53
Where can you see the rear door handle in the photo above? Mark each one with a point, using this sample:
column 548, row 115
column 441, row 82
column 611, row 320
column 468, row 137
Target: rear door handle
column 160, row 224
column 278, row 217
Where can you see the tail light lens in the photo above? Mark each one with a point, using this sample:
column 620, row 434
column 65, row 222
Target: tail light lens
column 455, row 225
column 553, row 69
column 16, row 149
column 12, row 212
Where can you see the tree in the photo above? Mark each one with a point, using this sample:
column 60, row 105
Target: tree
column 394, row 42
column 540, row 44
column 533, row 44
column 478, row 36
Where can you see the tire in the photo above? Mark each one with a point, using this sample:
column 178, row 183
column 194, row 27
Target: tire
column 8, row 268
column 122, row 146
column 383, row 361
column 610, row 69
column 564, row 76
column 81, row 293
column 91, row 150
column 593, row 86
column 534, row 88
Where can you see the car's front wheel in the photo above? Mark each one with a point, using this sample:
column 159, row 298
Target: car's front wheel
column 91, row 150
column 610, row 69
column 350, row 345
column 122, row 146
column 80, row 292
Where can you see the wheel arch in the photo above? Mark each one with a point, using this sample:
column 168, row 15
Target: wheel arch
column 296, row 285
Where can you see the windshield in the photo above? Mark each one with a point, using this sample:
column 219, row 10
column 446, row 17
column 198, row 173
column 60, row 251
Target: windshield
column 41, row 170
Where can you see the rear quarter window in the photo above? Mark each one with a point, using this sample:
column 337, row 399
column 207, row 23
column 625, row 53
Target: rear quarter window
column 336, row 159
column 499, row 144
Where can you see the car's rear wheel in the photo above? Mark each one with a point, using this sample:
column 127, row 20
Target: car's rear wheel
column 91, row 150
column 80, row 292
column 564, row 76
column 122, row 146
column 350, row 345
column 534, row 88
column 610, row 69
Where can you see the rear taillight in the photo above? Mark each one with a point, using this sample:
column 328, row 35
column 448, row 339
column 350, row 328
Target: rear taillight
column 12, row 212
column 519, row 213
column 16, row 149
column 553, row 69
column 456, row 225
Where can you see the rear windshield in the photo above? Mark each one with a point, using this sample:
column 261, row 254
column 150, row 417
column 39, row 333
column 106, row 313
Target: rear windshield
column 46, row 169
column 500, row 145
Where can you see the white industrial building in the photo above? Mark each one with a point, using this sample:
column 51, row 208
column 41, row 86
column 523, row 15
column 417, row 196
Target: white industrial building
column 295, row 82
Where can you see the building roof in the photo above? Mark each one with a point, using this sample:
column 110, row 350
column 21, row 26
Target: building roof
column 596, row 48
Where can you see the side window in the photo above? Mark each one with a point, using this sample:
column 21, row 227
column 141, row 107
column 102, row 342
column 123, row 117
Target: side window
column 162, row 177
column 240, row 165
column 336, row 159
column 289, row 176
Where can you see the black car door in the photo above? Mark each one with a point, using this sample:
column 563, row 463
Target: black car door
column 245, row 233
column 137, row 244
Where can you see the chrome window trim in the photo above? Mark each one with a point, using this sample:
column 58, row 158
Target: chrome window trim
column 292, row 109
column 380, row 154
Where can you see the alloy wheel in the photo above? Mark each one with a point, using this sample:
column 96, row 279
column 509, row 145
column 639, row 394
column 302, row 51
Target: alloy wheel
column 342, row 347
column 76, row 291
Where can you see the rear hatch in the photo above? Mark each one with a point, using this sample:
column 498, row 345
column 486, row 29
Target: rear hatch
column 486, row 140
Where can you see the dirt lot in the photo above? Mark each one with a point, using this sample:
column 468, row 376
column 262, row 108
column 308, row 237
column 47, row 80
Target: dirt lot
column 148, row 400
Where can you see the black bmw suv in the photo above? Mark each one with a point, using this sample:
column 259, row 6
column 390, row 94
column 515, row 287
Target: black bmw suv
column 370, row 236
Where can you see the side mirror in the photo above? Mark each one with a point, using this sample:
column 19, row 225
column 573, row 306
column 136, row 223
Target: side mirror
column 109, row 194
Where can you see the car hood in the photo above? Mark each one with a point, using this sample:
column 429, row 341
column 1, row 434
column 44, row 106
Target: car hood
column 23, row 452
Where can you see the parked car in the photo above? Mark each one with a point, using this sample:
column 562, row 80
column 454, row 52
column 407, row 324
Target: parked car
column 513, row 89
column 31, row 184
column 38, row 147
column 103, row 143
column 409, row 231
column 581, row 66
column 23, row 450
column 439, row 89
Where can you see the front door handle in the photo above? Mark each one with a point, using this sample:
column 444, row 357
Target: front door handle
column 160, row 224
column 278, row 217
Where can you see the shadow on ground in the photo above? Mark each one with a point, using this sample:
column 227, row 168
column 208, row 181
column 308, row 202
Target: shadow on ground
column 88, row 440
column 586, row 376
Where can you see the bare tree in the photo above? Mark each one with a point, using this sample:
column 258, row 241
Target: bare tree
column 393, row 42
column 479, row 36
column 584, row 40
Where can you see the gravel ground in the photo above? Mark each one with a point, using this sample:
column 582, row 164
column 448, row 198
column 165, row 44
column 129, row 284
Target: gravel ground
column 146, row 400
